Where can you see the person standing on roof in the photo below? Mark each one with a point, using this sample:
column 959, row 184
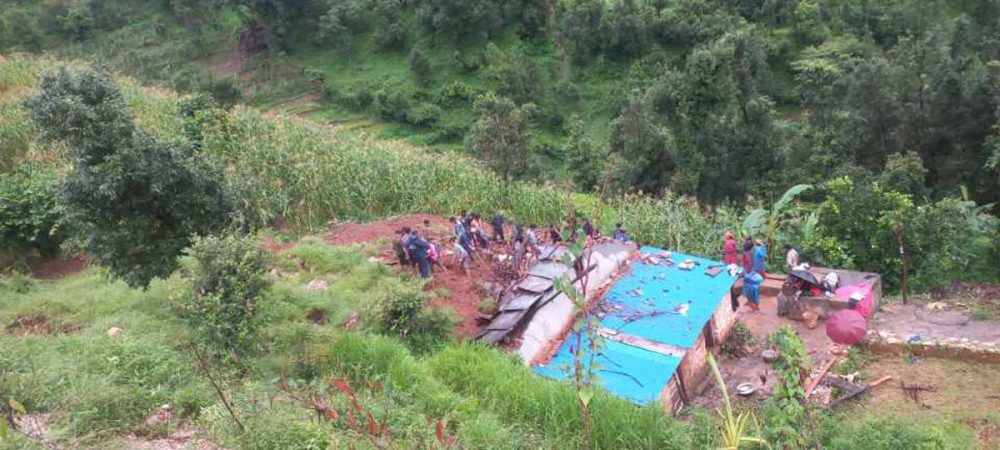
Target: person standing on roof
column 620, row 234
column 497, row 223
column 791, row 257
column 759, row 256
column 729, row 249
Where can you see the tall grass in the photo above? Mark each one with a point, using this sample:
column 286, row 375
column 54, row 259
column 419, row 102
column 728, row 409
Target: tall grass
column 518, row 395
column 308, row 174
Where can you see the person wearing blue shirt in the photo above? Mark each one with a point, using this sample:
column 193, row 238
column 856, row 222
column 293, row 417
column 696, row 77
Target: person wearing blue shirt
column 759, row 256
column 751, row 289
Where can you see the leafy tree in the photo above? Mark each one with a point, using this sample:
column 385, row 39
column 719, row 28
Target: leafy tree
column 513, row 75
column 133, row 200
column 584, row 158
column 502, row 134
column 223, row 307
column 641, row 147
column 420, row 67
column 904, row 173
column 460, row 18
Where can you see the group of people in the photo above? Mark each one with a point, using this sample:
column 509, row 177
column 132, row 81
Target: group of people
column 418, row 249
column 470, row 241
column 754, row 255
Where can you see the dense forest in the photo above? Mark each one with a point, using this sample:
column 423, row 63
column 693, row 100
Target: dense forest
column 718, row 99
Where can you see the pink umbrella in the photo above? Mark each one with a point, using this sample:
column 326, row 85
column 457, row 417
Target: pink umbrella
column 847, row 327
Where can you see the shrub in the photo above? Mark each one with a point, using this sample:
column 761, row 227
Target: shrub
column 29, row 211
column 393, row 105
column 420, row 67
column 401, row 312
column 454, row 93
column 361, row 97
column 423, row 114
column 230, row 281
column 740, row 341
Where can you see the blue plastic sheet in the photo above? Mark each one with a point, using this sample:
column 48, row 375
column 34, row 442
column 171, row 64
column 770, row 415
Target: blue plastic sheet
column 628, row 372
column 657, row 302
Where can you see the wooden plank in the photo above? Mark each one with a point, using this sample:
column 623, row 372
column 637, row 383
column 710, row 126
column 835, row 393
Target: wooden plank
column 822, row 373
column 643, row 343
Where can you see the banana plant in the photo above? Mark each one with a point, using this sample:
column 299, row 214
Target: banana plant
column 769, row 222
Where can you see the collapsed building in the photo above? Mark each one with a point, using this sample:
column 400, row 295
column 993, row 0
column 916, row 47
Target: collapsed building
column 659, row 313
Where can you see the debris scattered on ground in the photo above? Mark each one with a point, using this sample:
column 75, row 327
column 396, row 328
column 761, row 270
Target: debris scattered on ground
column 913, row 390
column 860, row 391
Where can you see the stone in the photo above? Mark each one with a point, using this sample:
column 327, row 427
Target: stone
column 317, row 285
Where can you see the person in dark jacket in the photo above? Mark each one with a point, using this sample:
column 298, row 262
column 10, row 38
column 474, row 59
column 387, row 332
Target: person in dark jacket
column 747, row 254
column 497, row 223
column 419, row 253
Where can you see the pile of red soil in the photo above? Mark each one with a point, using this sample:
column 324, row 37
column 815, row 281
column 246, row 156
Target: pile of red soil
column 464, row 291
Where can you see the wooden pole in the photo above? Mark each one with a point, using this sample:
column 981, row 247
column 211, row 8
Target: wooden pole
column 859, row 391
column 903, row 259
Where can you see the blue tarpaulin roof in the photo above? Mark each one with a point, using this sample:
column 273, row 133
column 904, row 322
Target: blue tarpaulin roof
column 655, row 302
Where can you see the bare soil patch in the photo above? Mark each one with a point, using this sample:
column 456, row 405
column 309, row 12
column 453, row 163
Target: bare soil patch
column 55, row 268
column 463, row 291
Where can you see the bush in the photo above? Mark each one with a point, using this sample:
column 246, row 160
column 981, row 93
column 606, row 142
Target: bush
column 29, row 211
column 223, row 308
column 401, row 312
column 361, row 97
column 420, row 67
column 392, row 105
column 423, row 114
column 454, row 93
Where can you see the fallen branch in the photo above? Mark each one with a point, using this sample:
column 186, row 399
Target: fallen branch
column 822, row 374
column 913, row 390
column 860, row 391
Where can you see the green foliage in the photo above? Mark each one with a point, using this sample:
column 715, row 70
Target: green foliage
column 501, row 136
column 740, row 341
column 134, row 200
column 420, row 67
column 518, row 396
column 904, row 173
column 513, row 75
column 785, row 409
column 882, row 433
column 29, row 212
column 584, row 158
column 401, row 311
column 224, row 304
column 943, row 240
